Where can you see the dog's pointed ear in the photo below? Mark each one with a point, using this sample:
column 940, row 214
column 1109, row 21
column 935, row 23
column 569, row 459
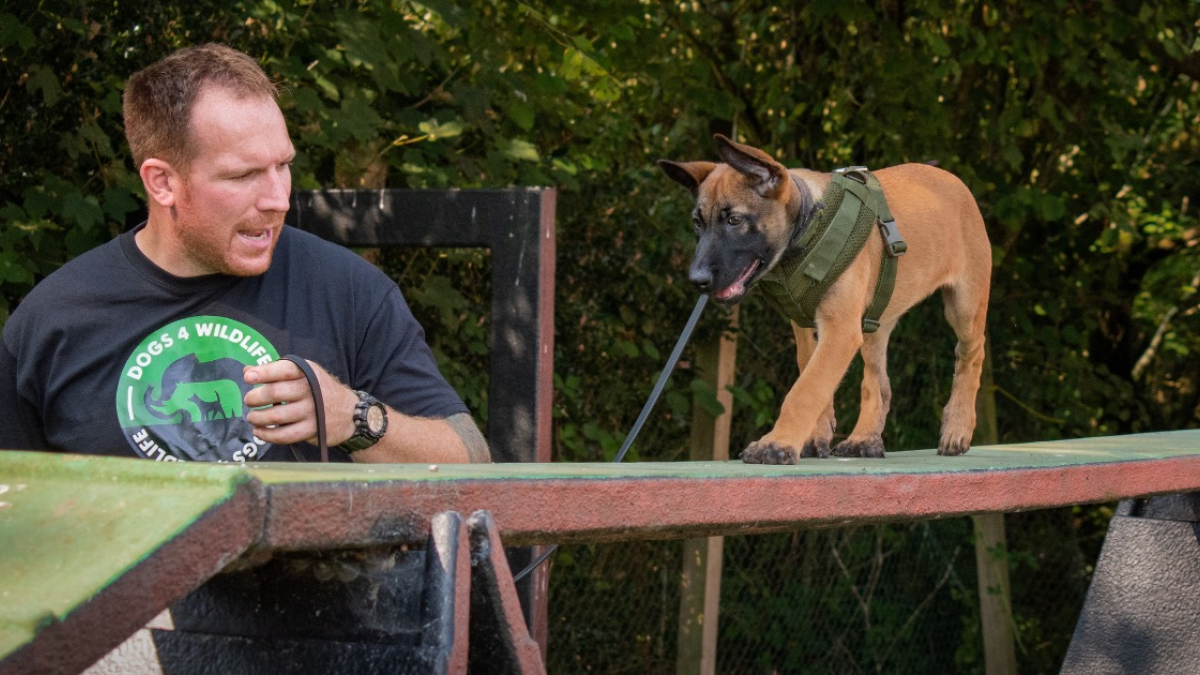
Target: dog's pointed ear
column 688, row 174
column 770, row 176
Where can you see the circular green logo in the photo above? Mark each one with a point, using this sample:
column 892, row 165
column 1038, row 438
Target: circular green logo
column 180, row 394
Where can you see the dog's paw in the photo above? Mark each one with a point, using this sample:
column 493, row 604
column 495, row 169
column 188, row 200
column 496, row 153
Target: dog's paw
column 816, row 448
column 954, row 446
column 867, row 447
column 769, row 453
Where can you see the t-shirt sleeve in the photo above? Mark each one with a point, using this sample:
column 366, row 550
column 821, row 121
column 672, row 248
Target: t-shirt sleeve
column 19, row 426
column 400, row 369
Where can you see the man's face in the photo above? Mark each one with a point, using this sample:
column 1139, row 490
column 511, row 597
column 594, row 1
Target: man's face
column 229, row 212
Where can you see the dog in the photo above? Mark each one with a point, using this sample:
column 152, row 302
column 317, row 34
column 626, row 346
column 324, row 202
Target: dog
column 750, row 212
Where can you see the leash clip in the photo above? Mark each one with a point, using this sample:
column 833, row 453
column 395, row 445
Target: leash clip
column 892, row 241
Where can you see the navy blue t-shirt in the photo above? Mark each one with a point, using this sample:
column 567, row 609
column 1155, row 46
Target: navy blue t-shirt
column 111, row 355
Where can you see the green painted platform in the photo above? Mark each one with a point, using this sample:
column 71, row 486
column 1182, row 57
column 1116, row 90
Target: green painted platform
column 101, row 545
column 1023, row 456
column 74, row 529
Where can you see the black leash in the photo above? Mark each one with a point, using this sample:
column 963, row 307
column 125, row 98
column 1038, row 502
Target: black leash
column 641, row 420
column 322, row 442
column 318, row 401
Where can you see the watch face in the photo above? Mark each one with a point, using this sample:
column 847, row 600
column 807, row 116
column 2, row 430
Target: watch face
column 375, row 419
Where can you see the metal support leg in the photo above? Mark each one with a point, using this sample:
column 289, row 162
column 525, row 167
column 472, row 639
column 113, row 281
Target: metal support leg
column 500, row 641
column 1142, row 612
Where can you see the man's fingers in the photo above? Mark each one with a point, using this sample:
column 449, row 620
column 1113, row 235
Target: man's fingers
column 287, row 434
column 286, row 391
column 279, row 414
column 272, row 372
column 284, row 423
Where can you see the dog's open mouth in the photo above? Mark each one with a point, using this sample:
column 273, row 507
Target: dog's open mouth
column 737, row 289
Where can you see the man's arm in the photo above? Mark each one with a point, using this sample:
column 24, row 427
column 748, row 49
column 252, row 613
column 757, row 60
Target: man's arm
column 19, row 428
column 454, row 439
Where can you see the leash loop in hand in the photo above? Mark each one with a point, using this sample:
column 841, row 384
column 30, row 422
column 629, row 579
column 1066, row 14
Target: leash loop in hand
column 318, row 401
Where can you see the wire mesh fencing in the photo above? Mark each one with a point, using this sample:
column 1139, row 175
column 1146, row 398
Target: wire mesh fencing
column 890, row 598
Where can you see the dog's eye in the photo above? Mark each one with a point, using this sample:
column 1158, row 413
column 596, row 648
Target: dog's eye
column 735, row 221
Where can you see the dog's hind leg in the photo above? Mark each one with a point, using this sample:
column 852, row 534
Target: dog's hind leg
column 966, row 310
column 867, row 438
column 818, row 444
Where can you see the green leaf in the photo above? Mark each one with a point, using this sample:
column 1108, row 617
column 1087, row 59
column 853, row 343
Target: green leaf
column 518, row 149
column 43, row 79
column 522, row 114
column 437, row 130
column 119, row 202
column 572, row 64
column 439, row 293
column 81, row 210
column 13, row 32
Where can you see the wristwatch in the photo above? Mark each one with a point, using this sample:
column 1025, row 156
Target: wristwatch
column 370, row 423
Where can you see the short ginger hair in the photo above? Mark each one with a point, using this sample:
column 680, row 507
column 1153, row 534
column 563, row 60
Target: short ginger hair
column 159, row 99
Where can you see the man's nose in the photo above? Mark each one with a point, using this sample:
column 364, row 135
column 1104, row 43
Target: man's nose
column 276, row 190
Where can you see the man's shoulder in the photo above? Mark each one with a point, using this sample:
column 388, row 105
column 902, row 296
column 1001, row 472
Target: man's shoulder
column 326, row 258
column 89, row 273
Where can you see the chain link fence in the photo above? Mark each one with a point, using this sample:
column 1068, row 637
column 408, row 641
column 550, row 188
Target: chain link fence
column 893, row 598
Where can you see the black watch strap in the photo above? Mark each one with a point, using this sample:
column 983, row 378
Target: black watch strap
column 370, row 423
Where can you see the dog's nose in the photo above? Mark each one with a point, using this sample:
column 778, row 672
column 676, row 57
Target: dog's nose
column 702, row 279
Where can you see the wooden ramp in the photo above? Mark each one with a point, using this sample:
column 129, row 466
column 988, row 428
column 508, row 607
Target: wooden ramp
column 92, row 548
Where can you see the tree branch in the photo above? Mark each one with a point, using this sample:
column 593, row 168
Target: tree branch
column 1147, row 356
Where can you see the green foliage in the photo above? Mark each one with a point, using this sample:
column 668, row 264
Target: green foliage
column 1074, row 124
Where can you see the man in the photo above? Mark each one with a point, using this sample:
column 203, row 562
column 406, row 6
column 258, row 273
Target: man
column 165, row 342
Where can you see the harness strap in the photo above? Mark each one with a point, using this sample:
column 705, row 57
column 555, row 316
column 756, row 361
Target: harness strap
column 894, row 246
column 852, row 204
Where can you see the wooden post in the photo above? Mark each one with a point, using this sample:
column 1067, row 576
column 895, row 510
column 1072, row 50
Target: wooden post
column 700, row 585
column 995, row 592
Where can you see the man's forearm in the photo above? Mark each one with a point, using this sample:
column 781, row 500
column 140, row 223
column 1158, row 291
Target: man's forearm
column 453, row 440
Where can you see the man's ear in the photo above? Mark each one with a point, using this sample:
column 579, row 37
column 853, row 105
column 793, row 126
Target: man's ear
column 688, row 174
column 768, row 175
column 162, row 182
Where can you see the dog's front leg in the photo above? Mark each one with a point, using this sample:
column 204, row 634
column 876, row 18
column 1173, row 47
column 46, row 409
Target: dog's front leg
column 810, row 398
column 819, row 444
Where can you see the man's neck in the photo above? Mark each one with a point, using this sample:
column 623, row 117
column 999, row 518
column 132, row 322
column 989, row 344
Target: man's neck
column 153, row 241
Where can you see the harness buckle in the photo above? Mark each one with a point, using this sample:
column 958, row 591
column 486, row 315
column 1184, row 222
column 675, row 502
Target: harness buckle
column 856, row 173
column 870, row 325
column 893, row 243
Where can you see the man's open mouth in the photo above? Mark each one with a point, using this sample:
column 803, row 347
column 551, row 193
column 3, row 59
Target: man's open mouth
column 737, row 289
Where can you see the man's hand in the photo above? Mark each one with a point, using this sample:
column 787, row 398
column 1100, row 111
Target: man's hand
column 290, row 418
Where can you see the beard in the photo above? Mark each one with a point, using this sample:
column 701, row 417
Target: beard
column 214, row 248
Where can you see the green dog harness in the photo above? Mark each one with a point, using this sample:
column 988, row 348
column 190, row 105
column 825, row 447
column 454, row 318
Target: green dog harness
column 852, row 206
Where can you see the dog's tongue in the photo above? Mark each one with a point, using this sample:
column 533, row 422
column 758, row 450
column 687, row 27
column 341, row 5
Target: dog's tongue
column 732, row 290
column 738, row 287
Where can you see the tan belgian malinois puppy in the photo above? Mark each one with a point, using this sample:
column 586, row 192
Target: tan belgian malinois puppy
column 751, row 210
